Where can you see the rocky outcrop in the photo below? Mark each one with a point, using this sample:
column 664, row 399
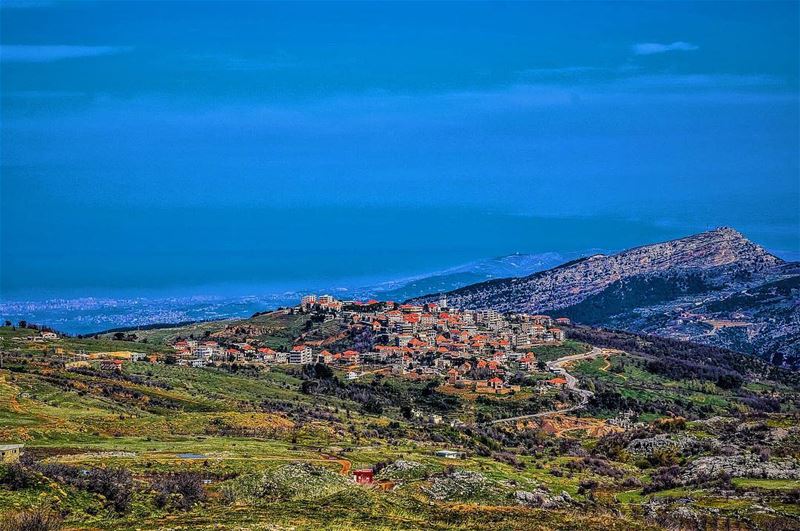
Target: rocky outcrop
column 573, row 282
column 744, row 465
column 681, row 443
column 542, row 499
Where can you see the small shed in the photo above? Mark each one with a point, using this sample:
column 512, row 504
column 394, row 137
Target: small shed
column 111, row 365
column 364, row 476
column 448, row 454
column 9, row 453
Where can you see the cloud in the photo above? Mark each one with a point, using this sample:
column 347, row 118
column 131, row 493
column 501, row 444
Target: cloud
column 25, row 53
column 650, row 48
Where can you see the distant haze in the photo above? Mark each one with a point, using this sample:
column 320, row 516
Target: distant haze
column 159, row 149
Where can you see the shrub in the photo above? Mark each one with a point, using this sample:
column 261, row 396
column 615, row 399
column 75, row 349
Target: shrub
column 508, row 458
column 601, row 467
column 587, row 486
column 38, row 519
column 665, row 478
column 16, row 477
column 181, row 489
column 373, row 406
column 631, row 482
column 115, row 484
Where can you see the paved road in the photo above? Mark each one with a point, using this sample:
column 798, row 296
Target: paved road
column 557, row 366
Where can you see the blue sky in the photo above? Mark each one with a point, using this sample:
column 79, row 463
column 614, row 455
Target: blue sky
column 166, row 146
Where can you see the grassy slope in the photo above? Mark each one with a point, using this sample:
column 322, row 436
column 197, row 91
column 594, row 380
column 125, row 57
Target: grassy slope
column 159, row 412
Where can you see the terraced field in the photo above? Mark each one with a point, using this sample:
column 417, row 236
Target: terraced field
column 168, row 447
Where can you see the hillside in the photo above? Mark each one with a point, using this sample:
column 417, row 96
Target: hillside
column 161, row 446
column 712, row 287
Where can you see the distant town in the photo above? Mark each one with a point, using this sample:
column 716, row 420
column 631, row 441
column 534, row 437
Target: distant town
column 417, row 342
column 470, row 350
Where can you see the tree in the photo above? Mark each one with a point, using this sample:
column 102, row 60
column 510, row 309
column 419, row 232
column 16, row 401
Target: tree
column 363, row 341
column 317, row 371
column 373, row 406
column 729, row 381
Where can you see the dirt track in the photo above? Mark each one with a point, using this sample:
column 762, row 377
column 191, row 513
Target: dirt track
column 557, row 366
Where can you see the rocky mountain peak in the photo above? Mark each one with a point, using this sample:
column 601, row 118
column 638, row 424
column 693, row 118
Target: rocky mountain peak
column 720, row 246
column 723, row 248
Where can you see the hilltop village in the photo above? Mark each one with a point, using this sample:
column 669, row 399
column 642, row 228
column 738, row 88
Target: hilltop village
column 473, row 349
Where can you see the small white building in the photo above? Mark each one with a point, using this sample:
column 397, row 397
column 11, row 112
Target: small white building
column 449, row 454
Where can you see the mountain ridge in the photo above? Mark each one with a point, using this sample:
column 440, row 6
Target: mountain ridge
column 666, row 288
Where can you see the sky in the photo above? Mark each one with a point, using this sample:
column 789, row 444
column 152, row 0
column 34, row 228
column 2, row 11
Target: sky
column 160, row 147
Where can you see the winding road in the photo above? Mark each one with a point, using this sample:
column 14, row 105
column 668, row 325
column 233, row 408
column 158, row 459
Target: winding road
column 557, row 367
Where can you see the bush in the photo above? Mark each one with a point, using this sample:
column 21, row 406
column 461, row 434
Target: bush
column 181, row 489
column 601, row 467
column 38, row 519
column 115, row 484
column 631, row 482
column 587, row 486
column 373, row 406
column 508, row 458
column 665, row 478
column 729, row 381
column 16, row 477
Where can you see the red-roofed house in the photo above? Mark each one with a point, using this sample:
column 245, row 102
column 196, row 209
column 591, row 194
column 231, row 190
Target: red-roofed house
column 495, row 383
column 350, row 356
column 528, row 361
column 325, row 357
column 453, row 376
column 363, row 476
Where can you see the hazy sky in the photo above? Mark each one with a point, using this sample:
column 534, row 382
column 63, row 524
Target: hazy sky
column 154, row 145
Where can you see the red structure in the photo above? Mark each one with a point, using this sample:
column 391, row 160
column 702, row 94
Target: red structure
column 363, row 476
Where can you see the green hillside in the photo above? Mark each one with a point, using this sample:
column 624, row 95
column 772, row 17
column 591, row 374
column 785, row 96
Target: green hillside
column 162, row 446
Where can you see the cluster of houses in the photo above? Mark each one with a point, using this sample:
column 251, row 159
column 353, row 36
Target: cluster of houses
column 43, row 336
column 197, row 353
column 107, row 361
column 474, row 349
column 469, row 349
column 465, row 348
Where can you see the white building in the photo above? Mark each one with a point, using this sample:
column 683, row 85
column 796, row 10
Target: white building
column 300, row 354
